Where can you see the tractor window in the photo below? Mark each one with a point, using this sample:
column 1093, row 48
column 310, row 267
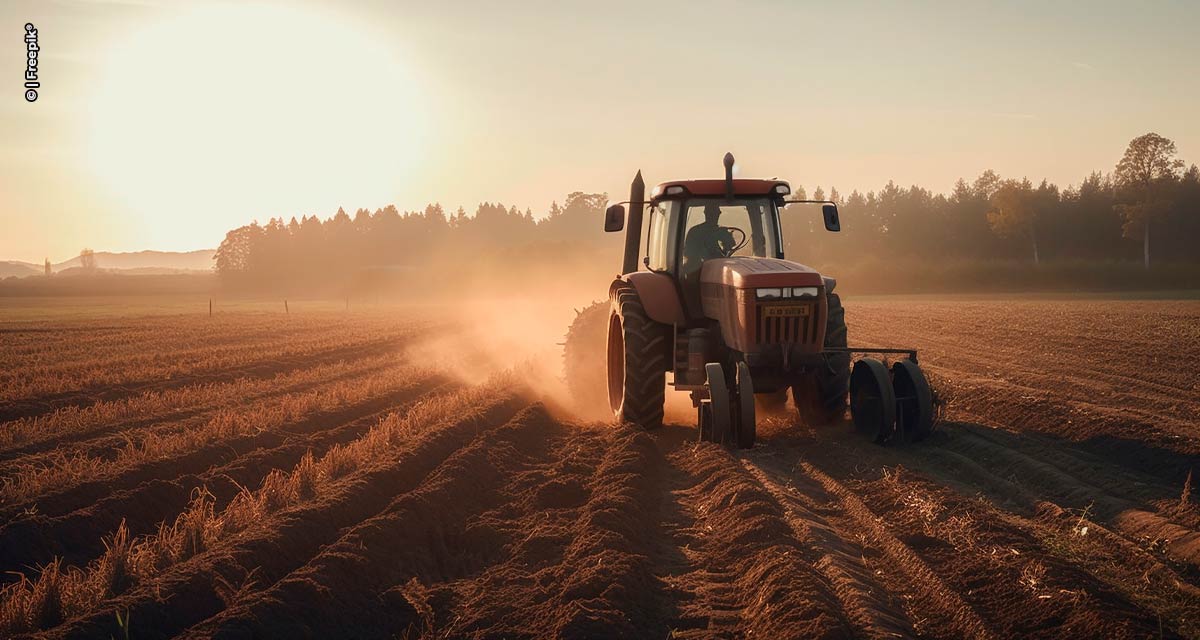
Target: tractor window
column 656, row 241
column 715, row 228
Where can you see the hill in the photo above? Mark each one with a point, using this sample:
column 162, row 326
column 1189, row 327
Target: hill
column 161, row 261
column 13, row 268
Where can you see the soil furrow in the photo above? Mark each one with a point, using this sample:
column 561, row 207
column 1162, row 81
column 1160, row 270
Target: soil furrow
column 97, row 487
column 206, row 480
column 378, row 570
column 111, row 435
column 72, row 537
column 1059, row 478
column 867, row 604
column 277, row 545
column 1002, row 562
column 1137, row 573
column 585, row 548
column 749, row 572
column 961, row 619
column 265, row 368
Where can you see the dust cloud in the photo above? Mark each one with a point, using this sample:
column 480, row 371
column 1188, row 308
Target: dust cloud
column 522, row 334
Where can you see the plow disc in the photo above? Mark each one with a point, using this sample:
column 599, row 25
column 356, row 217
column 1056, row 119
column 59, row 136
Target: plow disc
column 914, row 402
column 895, row 405
column 872, row 400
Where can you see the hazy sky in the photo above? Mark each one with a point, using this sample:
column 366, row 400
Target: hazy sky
column 161, row 125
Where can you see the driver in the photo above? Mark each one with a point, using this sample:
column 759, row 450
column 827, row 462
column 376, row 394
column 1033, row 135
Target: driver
column 706, row 240
column 703, row 241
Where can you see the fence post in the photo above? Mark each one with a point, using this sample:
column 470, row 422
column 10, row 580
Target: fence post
column 286, row 311
column 210, row 307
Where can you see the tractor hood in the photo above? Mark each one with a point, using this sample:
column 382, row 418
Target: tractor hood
column 753, row 325
column 750, row 273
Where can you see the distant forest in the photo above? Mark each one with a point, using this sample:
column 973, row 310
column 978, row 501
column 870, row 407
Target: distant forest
column 1147, row 210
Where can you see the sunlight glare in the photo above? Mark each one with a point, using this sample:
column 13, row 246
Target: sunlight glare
column 237, row 112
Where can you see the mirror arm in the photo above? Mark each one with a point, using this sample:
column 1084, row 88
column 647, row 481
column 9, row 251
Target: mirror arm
column 809, row 202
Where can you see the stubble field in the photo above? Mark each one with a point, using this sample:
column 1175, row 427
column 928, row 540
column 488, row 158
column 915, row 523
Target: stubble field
column 396, row 472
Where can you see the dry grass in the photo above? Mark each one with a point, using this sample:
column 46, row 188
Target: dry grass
column 150, row 405
column 1135, row 574
column 178, row 348
column 1033, row 576
column 59, row 593
column 1185, row 497
column 230, row 593
column 269, row 414
column 955, row 525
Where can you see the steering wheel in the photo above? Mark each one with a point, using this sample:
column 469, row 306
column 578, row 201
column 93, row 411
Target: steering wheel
column 737, row 245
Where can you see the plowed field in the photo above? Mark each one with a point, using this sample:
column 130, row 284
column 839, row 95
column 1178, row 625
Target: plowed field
column 396, row 474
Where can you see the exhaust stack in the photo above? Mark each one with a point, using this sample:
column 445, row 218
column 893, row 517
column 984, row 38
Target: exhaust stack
column 729, row 175
column 633, row 226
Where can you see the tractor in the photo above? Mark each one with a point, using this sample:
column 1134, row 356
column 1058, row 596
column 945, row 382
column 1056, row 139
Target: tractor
column 719, row 310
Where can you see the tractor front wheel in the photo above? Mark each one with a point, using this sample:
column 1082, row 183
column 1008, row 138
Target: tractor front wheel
column 637, row 360
column 821, row 397
column 746, row 429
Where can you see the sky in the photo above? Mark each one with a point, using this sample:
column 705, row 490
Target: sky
column 162, row 125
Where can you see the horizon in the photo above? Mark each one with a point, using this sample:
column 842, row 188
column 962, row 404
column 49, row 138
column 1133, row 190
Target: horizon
column 537, row 215
column 127, row 147
column 68, row 259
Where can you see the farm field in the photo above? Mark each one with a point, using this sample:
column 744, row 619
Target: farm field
column 394, row 472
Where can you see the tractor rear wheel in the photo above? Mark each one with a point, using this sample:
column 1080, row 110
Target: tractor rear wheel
column 821, row 397
column 637, row 360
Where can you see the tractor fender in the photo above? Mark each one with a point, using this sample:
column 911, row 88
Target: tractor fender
column 659, row 295
column 830, row 283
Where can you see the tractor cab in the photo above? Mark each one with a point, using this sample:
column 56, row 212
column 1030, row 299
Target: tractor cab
column 687, row 229
column 693, row 222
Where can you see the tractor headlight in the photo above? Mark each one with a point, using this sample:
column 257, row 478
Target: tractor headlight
column 804, row 292
column 768, row 294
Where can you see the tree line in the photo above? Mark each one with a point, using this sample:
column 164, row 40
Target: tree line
column 1147, row 208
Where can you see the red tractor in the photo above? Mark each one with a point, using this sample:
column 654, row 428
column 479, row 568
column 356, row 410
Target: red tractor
column 720, row 310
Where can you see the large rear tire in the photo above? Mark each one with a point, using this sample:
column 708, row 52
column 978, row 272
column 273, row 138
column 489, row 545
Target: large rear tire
column 821, row 397
column 637, row 360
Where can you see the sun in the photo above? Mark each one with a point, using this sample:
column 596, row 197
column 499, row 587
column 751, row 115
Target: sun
column 228, row 113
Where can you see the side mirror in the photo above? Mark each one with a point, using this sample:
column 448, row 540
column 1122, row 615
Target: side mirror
column 831, row 217
column 614, row 218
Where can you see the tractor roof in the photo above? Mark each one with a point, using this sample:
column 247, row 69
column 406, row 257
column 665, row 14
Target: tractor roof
column 741, row 187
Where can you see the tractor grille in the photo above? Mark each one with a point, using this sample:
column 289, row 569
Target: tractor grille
column 786, row 329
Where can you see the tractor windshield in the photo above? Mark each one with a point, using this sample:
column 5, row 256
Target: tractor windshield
column 718, row 228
